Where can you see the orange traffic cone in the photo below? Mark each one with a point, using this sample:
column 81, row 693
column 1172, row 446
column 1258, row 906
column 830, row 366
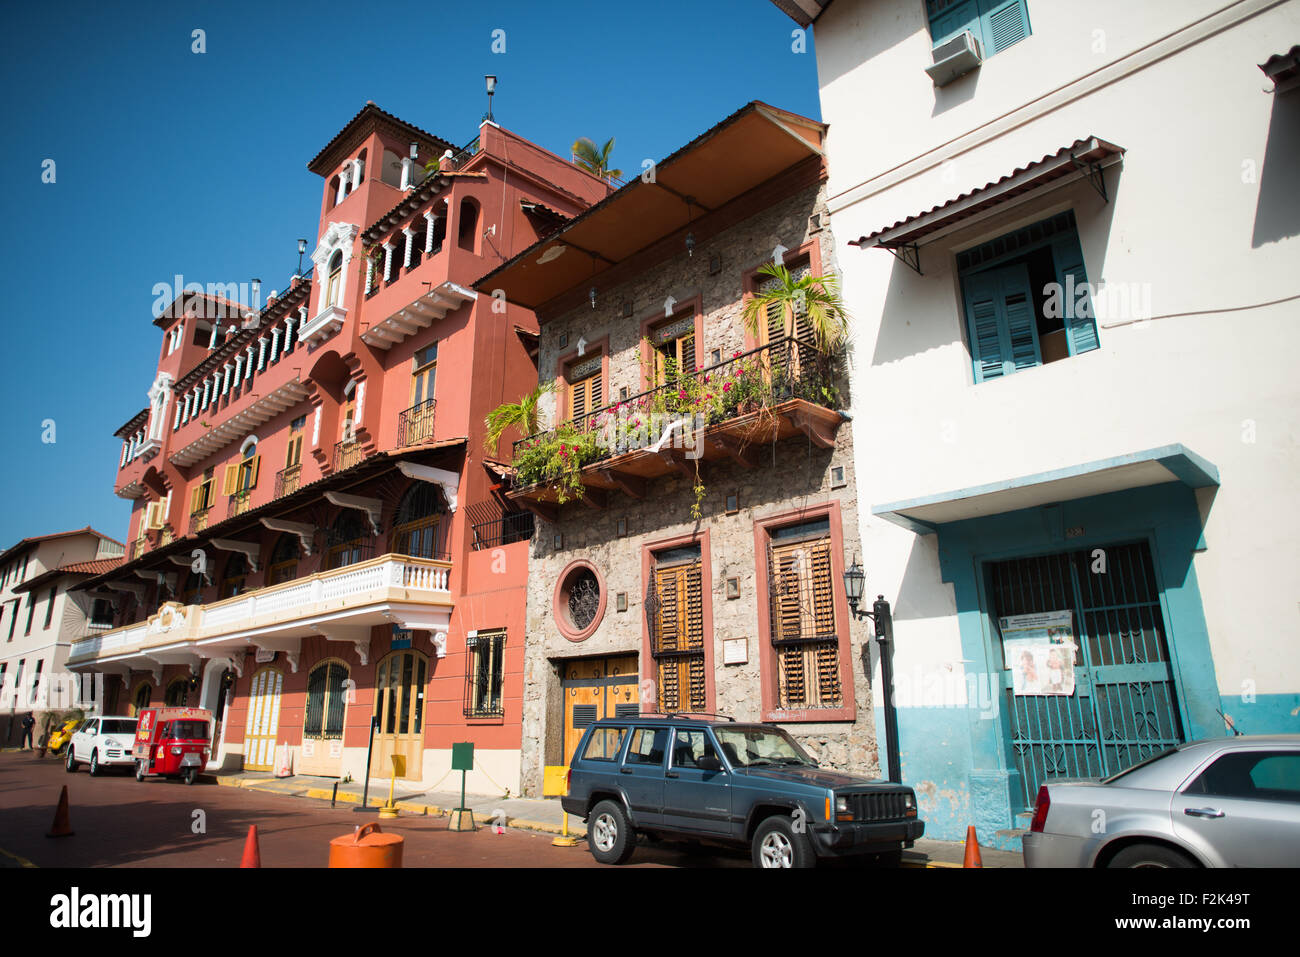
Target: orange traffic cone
column 252, row 855
column 61, row 826
column 972, row 858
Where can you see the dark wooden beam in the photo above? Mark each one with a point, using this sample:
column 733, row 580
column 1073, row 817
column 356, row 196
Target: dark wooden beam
column 677, row 462
column 819, row 428
column 593, row 498
column 741, row 455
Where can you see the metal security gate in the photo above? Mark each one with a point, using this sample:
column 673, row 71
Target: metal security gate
column 1124, row 705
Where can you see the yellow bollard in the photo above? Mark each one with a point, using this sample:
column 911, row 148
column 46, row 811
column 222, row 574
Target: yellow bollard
column 389, row 810
column 555, row 783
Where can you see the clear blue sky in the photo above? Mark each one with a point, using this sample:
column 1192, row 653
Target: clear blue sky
column 168, row 161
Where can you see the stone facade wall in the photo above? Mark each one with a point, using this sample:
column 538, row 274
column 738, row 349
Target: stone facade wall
column 790, row 474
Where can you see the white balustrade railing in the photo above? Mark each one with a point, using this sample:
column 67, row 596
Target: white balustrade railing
column 281, row 600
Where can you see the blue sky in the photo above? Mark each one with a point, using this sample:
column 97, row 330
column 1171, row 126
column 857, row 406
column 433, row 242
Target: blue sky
column 168, row 161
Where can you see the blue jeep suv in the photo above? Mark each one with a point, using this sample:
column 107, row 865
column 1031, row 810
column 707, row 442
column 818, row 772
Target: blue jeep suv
column 745, row 785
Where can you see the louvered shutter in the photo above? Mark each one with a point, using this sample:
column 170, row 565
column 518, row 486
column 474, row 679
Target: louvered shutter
column 1000, row 315
column 1076, row 298
column 196, row 499
column 1003, row 25
column 950, row 17
column 686, row 353
column 252, row 470
column 230, row 480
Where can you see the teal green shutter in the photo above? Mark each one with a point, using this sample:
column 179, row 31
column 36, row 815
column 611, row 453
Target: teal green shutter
column 947, row 19
column 1003, row 25
column 1003, row 328
column 1076, row 298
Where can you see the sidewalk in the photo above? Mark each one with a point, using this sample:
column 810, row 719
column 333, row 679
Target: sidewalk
column 532, row 814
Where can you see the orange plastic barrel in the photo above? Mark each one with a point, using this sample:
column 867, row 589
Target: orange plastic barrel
column 369, row 846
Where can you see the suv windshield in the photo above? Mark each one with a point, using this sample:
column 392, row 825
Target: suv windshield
column 120, row 726
column 760, row 747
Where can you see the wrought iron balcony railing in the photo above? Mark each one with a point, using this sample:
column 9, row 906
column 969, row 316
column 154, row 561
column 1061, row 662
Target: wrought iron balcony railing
column 415, row 425
column 287, row 480
column 347, row 454
column 240, row 502
column 199, row 520
column 516, row 527
column 788, row 368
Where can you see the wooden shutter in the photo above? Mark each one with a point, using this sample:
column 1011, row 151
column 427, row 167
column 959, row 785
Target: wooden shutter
column 686, row 353
column 196, row 499
column 151, row 515
column 678, row 636
column 803, row 623
column 1001, row 318
column 230, row 480
column 1076, row 300
column 253, row 467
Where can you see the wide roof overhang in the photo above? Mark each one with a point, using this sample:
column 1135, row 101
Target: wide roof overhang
column 1168, row 463
column 748, row 148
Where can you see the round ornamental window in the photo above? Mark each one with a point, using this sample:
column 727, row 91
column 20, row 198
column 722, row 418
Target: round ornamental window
column 579, row 601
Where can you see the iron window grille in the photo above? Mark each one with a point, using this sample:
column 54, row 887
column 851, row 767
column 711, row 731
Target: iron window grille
column 484, row 675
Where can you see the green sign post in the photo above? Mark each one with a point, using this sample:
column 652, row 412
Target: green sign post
column 462, row 760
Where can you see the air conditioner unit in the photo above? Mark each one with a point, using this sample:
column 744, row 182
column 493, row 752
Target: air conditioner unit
column 955, row 57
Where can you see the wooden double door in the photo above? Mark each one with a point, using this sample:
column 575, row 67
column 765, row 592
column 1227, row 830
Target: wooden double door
column 400, row 687
column 595, row 688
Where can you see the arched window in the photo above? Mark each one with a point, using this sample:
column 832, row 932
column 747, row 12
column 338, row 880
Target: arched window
column 349, row 540
column 418, row 529
column 284, row 560
column 467, row 225
column 392, row 169
column 335, row 273
column 334, row 192
column 177, row 692
column 232, row 580
column 140, row 700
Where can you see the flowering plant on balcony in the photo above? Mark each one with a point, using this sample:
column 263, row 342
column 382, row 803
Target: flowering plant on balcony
column 557, row 459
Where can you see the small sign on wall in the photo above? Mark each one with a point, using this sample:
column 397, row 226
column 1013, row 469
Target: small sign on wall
column 401, row 638
column 735, row 651
column 264, row 655
column 336, row 748
column 308, row 747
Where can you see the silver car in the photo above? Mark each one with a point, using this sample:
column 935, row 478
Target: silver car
column 1226, row 802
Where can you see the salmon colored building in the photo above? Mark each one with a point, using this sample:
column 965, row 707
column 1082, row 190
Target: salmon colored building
column 317, row 535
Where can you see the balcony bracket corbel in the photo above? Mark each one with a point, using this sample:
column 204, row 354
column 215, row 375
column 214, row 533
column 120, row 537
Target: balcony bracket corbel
column 447, row 481
column 630, row 485
column 373, row 507
column 251, row 550
column 304, row 531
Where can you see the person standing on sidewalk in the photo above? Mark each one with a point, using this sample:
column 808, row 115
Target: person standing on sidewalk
column 28, row 723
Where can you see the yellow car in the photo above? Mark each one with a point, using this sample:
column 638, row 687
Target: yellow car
column 60, row 737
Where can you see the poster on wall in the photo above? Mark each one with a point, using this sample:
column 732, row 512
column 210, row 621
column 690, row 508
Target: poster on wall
column 1039, row 651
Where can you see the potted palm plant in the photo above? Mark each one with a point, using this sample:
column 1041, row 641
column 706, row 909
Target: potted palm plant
column 523, row 415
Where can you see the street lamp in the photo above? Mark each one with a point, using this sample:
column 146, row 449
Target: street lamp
column 854, row 586
column 302, row 248
column 491, row 81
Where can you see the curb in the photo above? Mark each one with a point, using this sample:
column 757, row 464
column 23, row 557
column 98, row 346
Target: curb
column 22, row 861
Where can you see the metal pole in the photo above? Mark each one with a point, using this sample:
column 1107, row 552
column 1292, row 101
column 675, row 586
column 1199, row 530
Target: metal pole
column 885, row 639
column 365, row 790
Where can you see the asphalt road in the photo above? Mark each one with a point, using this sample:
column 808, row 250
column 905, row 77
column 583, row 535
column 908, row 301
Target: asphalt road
column 119, row 822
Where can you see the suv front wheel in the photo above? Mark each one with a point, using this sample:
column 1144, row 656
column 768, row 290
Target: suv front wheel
column 609, row 833
column 777, row 844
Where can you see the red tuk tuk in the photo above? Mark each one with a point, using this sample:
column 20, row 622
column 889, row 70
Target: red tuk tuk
column 172, row 742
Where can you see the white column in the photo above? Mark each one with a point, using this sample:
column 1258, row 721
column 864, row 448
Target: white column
column 370, row 275
column 204, row 403
column 430, row 219
column 225, row 381
column 125, row 448
column 407, row 163
column 275, row 344
column 406, row 264
column 288, row 335
column 212, row 340
column 216, row 386
column 388, row 261
column 358, row 172
column 343, row 186
column 261, row 353
column 176, row 420
column 239, row 368
column 248, row 365
column 315, row 430
column 361, row 400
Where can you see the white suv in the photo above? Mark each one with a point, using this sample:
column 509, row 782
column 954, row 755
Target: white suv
column 102, row 742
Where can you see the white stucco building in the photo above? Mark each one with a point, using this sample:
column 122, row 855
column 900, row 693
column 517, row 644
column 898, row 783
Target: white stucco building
column 1073, row 274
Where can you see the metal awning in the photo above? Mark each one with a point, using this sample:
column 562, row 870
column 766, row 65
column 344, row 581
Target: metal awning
column 1168, row 463
column 1082, row 159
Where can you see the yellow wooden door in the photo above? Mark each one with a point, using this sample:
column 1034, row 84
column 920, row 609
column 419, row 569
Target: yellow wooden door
column 399, row 704
column 263, row 719
column 595, row 688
